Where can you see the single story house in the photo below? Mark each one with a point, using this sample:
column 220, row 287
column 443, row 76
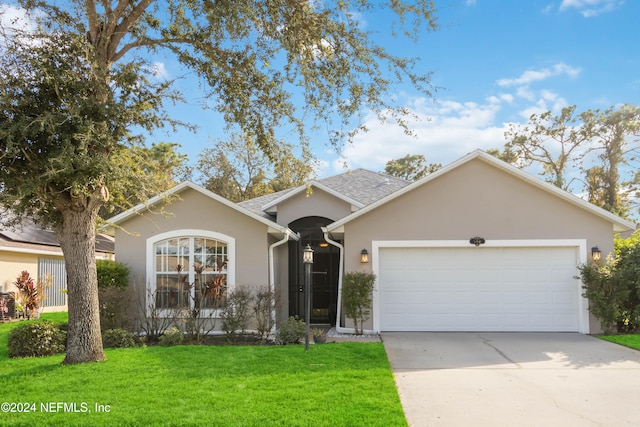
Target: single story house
column 477, row 246
column 31, row 248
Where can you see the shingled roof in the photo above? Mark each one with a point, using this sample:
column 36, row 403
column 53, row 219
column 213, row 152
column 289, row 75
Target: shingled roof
column 360, row 185
column 29, row 233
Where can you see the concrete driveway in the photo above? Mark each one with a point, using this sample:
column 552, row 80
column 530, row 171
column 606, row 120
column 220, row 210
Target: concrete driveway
column 514, row 379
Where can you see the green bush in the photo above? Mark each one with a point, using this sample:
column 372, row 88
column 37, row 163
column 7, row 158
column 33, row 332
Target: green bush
column 41, row 338
column 613, row 287
column 117, row 338
column 356, row 297
column 112, row 274
column 290, row 332
column 172, row 336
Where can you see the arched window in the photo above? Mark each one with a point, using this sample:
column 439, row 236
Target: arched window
column 190, row 269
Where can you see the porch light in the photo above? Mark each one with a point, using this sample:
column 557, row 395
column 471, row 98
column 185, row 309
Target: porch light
column 364, row 256
column 307, row 259
column 307, row 255
column 596, row 254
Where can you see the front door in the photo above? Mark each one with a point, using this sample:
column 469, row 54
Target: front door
column 324, row 283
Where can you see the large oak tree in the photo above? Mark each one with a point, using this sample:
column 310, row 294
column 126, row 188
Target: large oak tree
column 76, row 88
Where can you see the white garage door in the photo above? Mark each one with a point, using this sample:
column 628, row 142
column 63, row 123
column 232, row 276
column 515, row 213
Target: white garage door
column 478, row 289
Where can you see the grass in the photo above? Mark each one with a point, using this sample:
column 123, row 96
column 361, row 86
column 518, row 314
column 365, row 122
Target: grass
column 632, row 340
column 346, row 384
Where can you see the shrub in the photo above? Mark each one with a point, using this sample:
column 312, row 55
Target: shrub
column 29, row 296
column 263, row 307
column 290, row 332
column 117, row 338
column 114, row 308
column 112, row 274
column 235, row 314
column 172, row 336
column 613, row 287
column 42, row 338
column 356, row 297
column 604, row 293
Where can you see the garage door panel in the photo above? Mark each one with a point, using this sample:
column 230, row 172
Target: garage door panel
column 484, row 289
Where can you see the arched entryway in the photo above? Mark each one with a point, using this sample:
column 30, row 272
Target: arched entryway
column 324, row 295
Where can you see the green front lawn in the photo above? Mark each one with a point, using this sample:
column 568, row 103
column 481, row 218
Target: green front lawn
column 346, row 384
column 632, row 341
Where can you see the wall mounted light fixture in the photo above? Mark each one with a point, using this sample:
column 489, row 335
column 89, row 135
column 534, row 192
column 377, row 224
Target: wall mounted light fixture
column 477, row 241
column 364, row 256
column 596, row 254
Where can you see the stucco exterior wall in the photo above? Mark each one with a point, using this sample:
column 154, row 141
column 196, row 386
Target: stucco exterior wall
column 195, row 211
column 317, row 203
column 475, row 199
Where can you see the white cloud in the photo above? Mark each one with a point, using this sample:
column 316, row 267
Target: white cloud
column 591, row 8
column 443, row 133
column 531, row 76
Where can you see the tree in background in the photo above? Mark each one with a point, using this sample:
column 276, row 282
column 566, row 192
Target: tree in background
column 76, row 86
column 615, row 136
column 552, row 142
column 237, row 170
column 411, row 167
column 598, row 143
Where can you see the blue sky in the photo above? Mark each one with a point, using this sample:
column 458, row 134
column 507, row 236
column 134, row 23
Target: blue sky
column 496, row 62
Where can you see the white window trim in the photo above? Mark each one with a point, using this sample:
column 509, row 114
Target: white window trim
column 579, row 244
column 189, row 233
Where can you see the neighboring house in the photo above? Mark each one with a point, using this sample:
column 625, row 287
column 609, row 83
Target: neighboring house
column 33, row 249
column 477, row 246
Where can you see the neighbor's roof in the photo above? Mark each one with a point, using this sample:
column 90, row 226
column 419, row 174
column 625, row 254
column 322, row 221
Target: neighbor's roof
column 29, row 233
column 619, row 224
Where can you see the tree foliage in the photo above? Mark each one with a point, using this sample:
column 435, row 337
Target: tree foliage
column 77, row 86
column 237, row 170
column 410, row 167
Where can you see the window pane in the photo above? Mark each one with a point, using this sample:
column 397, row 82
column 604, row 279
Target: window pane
column 171, row 291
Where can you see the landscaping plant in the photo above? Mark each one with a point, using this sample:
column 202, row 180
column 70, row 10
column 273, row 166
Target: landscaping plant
column 264, row 304
column 29, row 297
column 356, row 297
column 290, row 332
column 613, row 287
column 41, row 338
column 236, row 312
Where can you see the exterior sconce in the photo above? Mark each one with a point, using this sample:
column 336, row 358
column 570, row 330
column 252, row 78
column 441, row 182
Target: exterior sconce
column 364, row 256
column 477, row 241
column 596, row 254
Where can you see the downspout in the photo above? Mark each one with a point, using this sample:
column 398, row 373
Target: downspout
column 339, row 328
column 272, row 273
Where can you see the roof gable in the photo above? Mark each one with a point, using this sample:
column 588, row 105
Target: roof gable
column 358, row 188
column 618, row 223
column 272, row 226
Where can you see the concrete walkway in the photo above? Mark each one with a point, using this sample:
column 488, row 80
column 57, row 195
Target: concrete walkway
column 514, row 379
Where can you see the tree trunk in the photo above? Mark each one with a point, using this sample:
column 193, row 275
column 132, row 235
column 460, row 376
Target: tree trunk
column 77, row 239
